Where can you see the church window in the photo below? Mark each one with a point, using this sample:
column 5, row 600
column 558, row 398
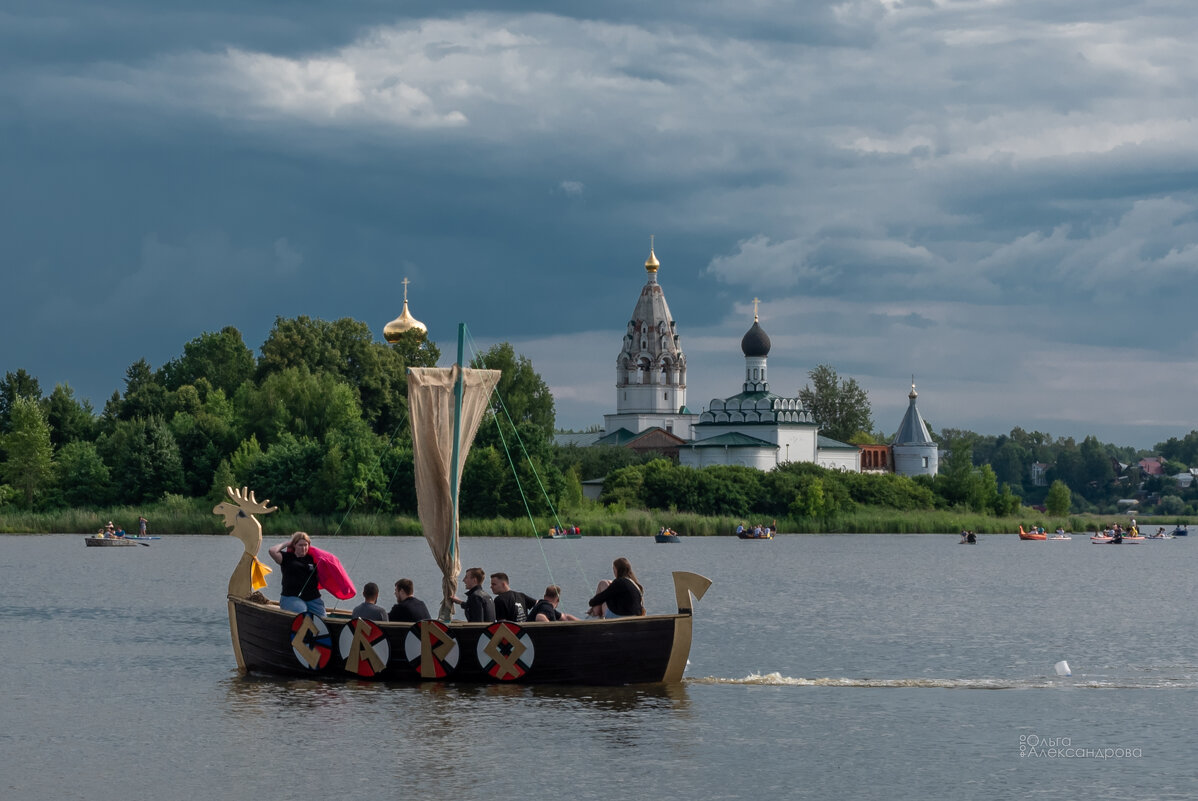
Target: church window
column 925, row 462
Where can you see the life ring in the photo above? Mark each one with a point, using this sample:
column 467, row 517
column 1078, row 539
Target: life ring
column 505, row 651
column 311, row 641
column 431, row 649
column 364, row 648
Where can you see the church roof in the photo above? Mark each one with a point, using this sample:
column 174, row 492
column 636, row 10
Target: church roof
column 731, row 440
column 829, row 444
column 913, row 431
column 755, row 342
column 621, row 436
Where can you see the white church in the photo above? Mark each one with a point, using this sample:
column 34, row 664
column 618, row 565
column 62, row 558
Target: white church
column 753, row 428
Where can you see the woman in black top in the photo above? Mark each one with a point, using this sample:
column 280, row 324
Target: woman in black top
column 625, row 595
column 300, row 592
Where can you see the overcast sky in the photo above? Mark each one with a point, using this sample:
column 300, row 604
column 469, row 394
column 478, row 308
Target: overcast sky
column 1000, row 198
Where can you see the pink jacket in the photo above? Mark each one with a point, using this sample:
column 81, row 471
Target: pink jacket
column 331, row 576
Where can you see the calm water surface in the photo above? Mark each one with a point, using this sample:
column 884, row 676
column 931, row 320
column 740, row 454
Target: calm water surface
column 824, row 667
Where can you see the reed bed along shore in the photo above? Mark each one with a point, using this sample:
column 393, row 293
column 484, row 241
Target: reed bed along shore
column 190, row 517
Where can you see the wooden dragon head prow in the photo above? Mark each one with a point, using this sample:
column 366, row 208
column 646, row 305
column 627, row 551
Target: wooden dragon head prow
column 239, row 518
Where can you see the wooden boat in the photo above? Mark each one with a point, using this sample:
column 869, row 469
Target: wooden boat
column 668, row 535
column 1027, row 535
column 97, row 541
column 630, row 650
column 555, row 535
column 766, row 533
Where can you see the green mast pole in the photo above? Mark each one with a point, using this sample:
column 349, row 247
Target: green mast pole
column 457, row 427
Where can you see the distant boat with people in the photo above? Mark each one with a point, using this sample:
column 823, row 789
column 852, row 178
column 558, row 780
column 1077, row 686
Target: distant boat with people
column 1034, row 534
column 563, row 533
column 758, row 532
column 667, row 535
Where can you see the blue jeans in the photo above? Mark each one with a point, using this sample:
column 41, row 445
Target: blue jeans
column 293, row 603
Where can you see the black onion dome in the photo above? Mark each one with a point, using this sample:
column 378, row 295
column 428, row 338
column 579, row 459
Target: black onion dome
column 755, row 342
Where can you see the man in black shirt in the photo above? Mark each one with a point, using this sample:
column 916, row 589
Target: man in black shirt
column 546, row 608
column 408, row 608
column 478, row 606
column 510, row 604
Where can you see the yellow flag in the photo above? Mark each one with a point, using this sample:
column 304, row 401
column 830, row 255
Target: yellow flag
column 258, row 574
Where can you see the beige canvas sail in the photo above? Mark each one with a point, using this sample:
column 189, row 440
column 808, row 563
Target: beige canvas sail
column 431, row 408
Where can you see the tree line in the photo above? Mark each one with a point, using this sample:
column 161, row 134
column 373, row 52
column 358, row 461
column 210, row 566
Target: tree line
column 317, row 422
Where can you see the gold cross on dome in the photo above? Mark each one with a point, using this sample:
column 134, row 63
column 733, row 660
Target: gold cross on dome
column 405, row 289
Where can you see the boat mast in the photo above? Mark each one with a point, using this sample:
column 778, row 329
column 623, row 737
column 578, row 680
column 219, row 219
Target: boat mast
column 457, row 435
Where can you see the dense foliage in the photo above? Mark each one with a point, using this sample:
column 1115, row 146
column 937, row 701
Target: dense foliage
column 318, row 423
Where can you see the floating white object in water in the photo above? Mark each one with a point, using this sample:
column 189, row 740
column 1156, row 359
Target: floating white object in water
column 1062, row 668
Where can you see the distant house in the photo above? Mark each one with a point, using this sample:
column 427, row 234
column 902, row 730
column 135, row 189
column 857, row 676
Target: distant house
column 1039, row 471
column 1152, row 466
column 653, row 440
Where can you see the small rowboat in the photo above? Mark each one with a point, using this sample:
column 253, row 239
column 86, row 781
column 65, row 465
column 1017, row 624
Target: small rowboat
column 96, row 541
column 1028, row 535
column 1059, row 538
column 668, row 536
column 1104, row 540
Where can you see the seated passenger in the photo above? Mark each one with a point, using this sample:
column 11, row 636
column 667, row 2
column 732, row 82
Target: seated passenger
column 369, row 609
column 510, row 604
column 624, row 596
column 546, row 608
column 408, row 608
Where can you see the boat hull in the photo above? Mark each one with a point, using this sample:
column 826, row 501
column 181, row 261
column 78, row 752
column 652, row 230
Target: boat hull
column 108, row 542
column 632, row 650
column 666, row 538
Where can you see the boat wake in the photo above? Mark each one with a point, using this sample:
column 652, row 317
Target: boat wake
column 1053, row 683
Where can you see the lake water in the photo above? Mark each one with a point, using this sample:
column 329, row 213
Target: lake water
column 823, row 667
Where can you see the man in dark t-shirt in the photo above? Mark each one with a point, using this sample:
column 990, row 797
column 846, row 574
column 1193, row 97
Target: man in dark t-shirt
column 369, row 609
column 408, row 608
column 510, row 604
column 546, row 608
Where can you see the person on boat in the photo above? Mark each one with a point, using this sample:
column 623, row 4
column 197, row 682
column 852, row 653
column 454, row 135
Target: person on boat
column 971, row 538
column 1117, row 538
column 599, row 610
column 408, row 608
column 300, row 592
column 740, row 529
column 510, row 604
column 141, row 526
column 546, row 608
column 964, row 536
column 577, row 530
column 369, row 608
column 624, row 596
column 479, row 607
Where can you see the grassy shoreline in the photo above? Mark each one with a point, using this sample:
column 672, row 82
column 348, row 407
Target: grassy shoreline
column 192, row 518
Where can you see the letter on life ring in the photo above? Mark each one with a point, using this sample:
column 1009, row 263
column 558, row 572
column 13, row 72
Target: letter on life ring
column 431, row 649
column 310, row 641
column 505, row 651
column 364, row 648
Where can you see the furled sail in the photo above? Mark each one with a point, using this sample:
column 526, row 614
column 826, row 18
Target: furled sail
column 431, row 404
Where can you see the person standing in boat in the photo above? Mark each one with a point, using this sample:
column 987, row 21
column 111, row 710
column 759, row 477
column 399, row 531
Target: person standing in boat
column 624, row 596
column 300, row 592
column 510, row 604
column 478, row 606
column 141, row 526
column 408, row 608
column 369, row 608
column 546, row 609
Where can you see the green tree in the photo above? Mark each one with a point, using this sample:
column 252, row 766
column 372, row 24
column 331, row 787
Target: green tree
column 524, row 394
column 70, row 419
column 16, row 385
column 30, row 456
column 145, row 396
column 1059, row 499
column 841, row 407
column 222, row 359
column 82, row 477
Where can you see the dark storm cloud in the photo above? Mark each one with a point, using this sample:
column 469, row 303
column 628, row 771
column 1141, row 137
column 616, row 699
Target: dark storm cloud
column 905, row 185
